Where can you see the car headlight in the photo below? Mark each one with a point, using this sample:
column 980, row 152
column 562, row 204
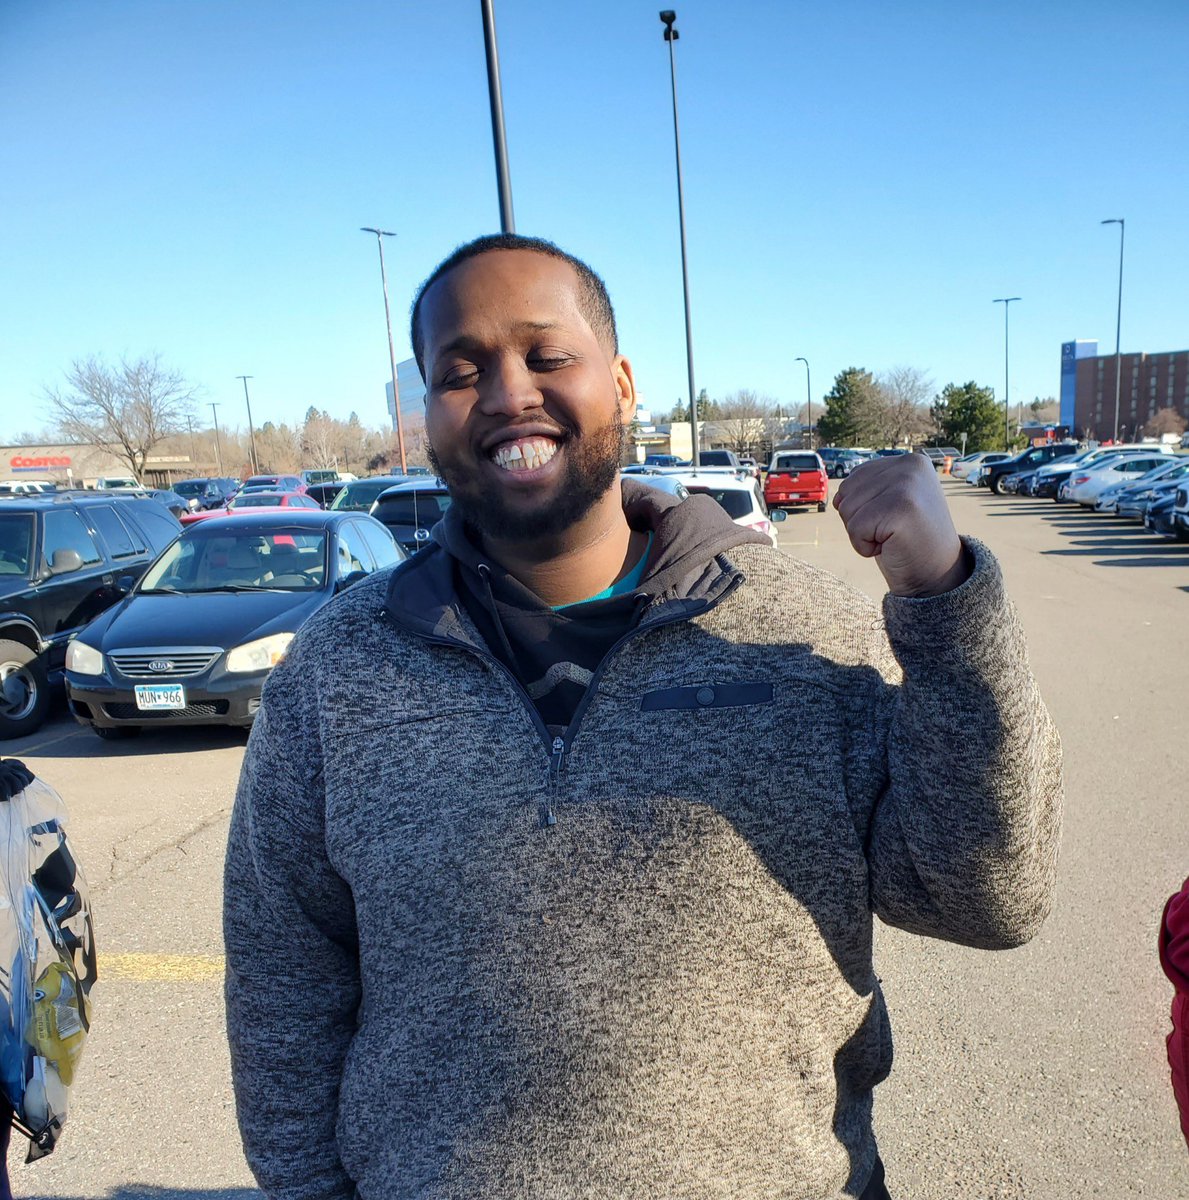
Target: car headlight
column 83, row 659
column 260, row 655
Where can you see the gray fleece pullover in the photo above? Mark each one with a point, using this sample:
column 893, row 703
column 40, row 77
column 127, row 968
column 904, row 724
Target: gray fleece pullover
column 433, row 993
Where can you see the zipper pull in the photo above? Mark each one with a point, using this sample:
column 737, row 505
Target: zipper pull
column 555, row 762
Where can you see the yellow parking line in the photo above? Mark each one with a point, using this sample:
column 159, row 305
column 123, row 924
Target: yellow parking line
column 22, row 750
column 158, row 968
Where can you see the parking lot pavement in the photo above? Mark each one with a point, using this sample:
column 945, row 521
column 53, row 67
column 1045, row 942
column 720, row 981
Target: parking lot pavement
column 152, row 1112
column 1037, row 1072
column 1041, row 1072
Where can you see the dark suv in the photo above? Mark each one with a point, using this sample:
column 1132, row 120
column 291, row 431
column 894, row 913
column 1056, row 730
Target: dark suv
column 410, row 510
column 63, row 560
column 1027, row 460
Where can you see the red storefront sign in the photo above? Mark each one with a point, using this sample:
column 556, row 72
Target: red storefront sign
column 51, row 462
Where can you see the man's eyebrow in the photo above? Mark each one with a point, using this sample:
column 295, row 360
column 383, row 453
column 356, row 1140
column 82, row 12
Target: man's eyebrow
column 465, row 341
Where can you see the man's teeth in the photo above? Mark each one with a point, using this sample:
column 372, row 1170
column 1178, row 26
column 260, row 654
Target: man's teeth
column 524, row 455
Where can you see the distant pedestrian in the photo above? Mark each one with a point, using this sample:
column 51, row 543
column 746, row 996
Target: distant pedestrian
column 1174, row 958
column 554, row 861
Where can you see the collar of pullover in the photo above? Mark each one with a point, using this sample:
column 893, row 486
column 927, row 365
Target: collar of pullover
column 686, row 568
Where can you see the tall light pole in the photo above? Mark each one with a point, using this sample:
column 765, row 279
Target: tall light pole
column 494, row 95
column 1007, row 303
column 1118, row 319
column 381, row 234
column 808, row 400
column 251, row 427
column 668, row 17
column 218, row 450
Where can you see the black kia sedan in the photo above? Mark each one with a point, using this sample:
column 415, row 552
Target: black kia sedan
column 194, row 641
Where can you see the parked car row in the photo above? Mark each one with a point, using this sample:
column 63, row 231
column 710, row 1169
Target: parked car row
column 90, row 581
column 1145, row 481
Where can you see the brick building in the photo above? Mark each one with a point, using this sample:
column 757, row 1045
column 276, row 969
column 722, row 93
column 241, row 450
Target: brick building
column 1150, row 382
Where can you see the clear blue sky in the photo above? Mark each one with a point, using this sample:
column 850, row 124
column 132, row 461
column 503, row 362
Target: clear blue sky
column 862, row 180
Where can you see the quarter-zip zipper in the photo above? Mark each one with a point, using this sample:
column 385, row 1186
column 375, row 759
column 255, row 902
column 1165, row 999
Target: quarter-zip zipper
column 555, row 761
column 559, row 747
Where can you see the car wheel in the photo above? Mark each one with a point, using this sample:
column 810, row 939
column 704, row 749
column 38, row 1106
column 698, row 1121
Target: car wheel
column 996, row 486
column 115, row 733
column 24, row 690
column 1182, row 535
column 821, row 506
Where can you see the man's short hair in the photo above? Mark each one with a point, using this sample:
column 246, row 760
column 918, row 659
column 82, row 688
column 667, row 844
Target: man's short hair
column 592, row 292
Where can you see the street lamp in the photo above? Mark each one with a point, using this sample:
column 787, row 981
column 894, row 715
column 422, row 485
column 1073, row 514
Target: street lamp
column 381, row 234
column 808, row 400
column 503, row 184
column 251, row 427
column 1118, row 319
column 218, row 450
column 1007, row 303
column 668, row 17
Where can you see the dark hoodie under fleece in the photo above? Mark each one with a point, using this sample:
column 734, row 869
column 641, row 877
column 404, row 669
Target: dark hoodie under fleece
column 436, row 992
column 555, row 654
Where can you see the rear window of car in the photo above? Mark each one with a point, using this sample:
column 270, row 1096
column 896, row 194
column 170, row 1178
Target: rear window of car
column 795, row 462
column 114, row 532
column 361, row 495
column 734, row 502
column 259, row 500
column 413, row 508
column 158, row 524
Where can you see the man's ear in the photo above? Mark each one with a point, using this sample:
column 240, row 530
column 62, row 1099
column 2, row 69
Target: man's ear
column 625, row 386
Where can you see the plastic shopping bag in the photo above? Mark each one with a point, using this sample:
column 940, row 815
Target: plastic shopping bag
column 47, row 957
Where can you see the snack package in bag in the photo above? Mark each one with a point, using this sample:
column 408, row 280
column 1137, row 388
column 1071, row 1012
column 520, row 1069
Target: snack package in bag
column 47, row 957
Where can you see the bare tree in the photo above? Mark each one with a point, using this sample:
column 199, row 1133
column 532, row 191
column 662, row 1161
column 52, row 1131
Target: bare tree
column 742, row 420
column 1167, row 420
column 321, row 440
column 126, row 410
column 903, row 410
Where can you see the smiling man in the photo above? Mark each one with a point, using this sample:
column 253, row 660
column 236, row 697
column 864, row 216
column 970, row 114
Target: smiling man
column 553, row 866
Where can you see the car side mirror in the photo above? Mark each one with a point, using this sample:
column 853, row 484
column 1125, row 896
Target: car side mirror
column 346, row 581
column 778, row 515
column 65, row 560
column 126, row 583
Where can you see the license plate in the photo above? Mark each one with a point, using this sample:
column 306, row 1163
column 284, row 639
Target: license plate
column 150, row 696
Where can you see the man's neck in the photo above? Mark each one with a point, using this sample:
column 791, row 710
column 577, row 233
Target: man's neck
column 589, row 557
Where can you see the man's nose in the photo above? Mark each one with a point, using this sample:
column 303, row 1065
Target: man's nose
column 509, row 388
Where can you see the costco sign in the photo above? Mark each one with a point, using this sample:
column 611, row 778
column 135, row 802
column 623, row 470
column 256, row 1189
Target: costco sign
column 52, row 462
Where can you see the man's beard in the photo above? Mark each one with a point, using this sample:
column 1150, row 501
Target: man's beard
column 591, row 467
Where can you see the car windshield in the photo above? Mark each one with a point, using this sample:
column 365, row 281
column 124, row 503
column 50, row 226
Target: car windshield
column 734, row 501
column 794, row 462
column 16, row 543
column 413, row 508
column 190, row 487
column 237, row 561
column 256, row 500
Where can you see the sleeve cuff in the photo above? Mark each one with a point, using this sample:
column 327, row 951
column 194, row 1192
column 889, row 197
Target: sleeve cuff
column 960, row 616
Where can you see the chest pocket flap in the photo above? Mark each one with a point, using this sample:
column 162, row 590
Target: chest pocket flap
column 707, row 695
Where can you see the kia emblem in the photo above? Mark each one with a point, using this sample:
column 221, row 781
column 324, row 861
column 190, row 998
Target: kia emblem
column 161, row 664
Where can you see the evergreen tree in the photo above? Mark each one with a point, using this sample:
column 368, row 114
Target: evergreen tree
column 852, row 410
column 971, row 410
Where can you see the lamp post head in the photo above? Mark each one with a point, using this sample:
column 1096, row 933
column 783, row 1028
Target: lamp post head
column 1112, row 221
column 378, row 232
column 668, row 17
column 804, row 360
column 1005, row 300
